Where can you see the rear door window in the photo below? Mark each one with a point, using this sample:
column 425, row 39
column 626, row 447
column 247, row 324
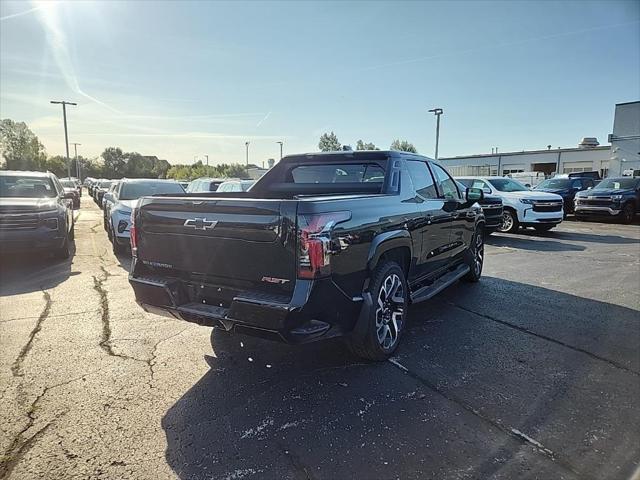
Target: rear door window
column 422, row 179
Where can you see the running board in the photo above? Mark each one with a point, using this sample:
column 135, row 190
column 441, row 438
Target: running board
column 428, row 291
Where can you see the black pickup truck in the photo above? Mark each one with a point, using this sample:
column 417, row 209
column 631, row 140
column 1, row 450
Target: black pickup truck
column 323, row 245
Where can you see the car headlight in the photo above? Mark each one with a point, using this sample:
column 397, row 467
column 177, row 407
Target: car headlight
column 527, row 201
column 616, row 197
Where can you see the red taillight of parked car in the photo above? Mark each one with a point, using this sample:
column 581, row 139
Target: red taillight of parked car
column 315, row 244
column 133, row 233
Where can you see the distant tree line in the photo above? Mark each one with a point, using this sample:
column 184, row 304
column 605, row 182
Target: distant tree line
column 329, row 143
column 196, row 170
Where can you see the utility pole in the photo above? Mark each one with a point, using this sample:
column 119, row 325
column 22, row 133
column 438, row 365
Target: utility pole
column 75, row 151
column 66, row 136
column 246, row 144
column 437, row 112
column 207, row 157
column 280, row 149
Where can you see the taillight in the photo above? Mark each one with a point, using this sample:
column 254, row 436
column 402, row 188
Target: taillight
column 133, row 233
column 314, row 243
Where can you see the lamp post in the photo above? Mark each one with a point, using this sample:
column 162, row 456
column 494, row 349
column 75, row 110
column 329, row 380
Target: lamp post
column 246, row 144
column 66, row 136
column 75, row 152
column 280, row 149
column 437, row 112
column 207, row 157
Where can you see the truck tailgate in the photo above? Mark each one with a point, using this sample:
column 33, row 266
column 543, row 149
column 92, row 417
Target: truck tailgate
column 244, row 243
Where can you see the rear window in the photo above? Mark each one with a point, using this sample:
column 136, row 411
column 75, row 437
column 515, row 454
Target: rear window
column 338, row 173
column 135, row 190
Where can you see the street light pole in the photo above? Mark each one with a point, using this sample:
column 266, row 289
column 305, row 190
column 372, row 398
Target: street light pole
column 207, row 157
column 280, row 149
column 437, row 112
column 246, row 144
column 75, row 151
column 66, row 136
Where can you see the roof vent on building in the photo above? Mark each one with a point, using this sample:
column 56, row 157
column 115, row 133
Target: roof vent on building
column 589, row 142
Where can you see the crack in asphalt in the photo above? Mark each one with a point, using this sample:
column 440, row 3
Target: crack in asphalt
column 151, row 360
column 510, row 432
column 16, row 367
column 595, row 356
column 20, row 445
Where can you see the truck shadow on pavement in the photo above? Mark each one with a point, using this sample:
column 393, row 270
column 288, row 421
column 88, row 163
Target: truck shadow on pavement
column 537, row 243
column 474, row 371
column 32, row 272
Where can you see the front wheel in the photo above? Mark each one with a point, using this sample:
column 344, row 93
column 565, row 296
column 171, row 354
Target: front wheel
column 628, row 214
column 475, row 256
column 64, row 251
column 386, row 320
column 509, row 222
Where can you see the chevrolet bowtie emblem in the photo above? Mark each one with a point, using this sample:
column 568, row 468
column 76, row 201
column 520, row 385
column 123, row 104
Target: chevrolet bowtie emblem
column 200, row 223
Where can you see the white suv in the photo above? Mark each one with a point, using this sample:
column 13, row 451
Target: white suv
column 522, row 207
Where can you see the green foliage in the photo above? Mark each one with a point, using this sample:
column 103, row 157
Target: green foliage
column 114, row 162
column 197, row 170
column 19, row 147
column 403, row 146
column 329, row 143
column 360, row 145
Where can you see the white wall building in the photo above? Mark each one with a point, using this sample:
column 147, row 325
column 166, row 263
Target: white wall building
column 585, row 158
column 623, row 154
column 625, row 139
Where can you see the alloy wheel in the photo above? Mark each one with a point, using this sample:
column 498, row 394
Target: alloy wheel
column 507, row 222
column 478, row 254
column 390, row 311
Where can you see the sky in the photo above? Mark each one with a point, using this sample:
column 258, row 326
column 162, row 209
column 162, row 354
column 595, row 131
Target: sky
column 181, row 80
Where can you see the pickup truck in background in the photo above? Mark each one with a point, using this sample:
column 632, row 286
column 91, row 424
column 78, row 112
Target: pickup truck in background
column 323, row 245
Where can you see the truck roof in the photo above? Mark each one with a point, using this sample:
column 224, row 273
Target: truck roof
column 356, row 154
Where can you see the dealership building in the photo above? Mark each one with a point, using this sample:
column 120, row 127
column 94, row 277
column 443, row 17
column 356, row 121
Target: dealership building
column 610, row 160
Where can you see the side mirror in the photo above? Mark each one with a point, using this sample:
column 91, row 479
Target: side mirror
column 68, row 195
column 486, row 190
column 473, row 195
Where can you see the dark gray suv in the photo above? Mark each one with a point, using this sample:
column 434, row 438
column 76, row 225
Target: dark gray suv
column 35, row 213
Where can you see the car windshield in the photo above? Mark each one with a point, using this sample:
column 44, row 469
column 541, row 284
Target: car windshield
column 135, row 190
column 555, row 183
column 618, row 183
column 26, row 187
column 507, row 185
column 105, row 185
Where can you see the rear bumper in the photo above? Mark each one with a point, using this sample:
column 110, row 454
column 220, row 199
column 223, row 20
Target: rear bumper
column 316, row 310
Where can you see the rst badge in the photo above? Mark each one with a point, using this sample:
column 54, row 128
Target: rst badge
column 279, row 281
column 200, row 223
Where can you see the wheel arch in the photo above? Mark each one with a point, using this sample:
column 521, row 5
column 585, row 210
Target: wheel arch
column 393, row 245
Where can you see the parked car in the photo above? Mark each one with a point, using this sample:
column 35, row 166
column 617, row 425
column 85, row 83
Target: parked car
column 35, row 213
column 100, row 189
column 521, row 207
column 567, row 188
column 612, row 197
column 71, row 188
column 491, row 208
column 323, row 245
column 108, row 199
column 124, row 198
column 235, row 186
column 205, row 185
column 73, row 182
column 528, row 179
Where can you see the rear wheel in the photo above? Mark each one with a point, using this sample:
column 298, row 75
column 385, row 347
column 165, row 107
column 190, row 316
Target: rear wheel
column 509, row 222
column 386, row 320
column 628, row 213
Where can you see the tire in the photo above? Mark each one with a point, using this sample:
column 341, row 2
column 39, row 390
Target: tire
column 117, row 249
column 543, row 228
column 475, row 256
column 105, row 224
column 387, row 318
column 64, row 252
column 628, row 214
column 509, row 222
column 72, row 232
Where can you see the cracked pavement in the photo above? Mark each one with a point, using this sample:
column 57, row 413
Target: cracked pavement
column 532, row 373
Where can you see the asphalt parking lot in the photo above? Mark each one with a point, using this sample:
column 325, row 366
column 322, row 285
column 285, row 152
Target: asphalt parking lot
column 532, row 373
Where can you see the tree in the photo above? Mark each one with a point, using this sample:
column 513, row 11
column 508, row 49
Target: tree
column 114, row 162
column 403, row 146
column 329, row 143
column 360, row 145
column 19, row 147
